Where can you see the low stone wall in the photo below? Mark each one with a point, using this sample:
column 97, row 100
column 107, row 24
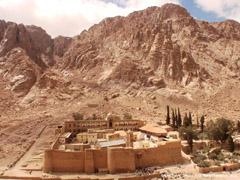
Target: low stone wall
column 224, row 167
column 210, row 169
column 231, row 167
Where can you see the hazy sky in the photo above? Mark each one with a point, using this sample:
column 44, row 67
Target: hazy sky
column 70, row 17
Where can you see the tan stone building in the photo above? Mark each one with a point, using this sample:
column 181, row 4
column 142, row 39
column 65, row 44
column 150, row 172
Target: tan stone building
column 79, row 126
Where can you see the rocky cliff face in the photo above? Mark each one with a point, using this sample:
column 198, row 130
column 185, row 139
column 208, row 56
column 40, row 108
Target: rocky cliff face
column 165, row 41
column 161, row 49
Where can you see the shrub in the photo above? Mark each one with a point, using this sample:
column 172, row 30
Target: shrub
column 127, row 116
column 204, row 163
column 229, row 156
column 234, row 158
column 212, row 156
column 117, row 118
column 218, row 150
column 217, row 163
column 77, row 116
column 220, row 157
column 206, row 149
column 194, row 154
column 94, row 116
column 199, row 158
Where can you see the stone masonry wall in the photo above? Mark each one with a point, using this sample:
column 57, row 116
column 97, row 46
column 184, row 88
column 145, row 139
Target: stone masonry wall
column 116, row 159
column 60, row 161
column 167, row 154
column 121, row 160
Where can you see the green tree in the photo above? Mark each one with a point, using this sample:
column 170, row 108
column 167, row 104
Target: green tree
column 168, row 116
column 188, row 133
column 197, row 121
column 173, row 119
column 212, row 131
column 230, row 143
column 238, row 126
column 117, row 117
column 220, row 129
column 179, row 118
column 127, row 116
column 94, row 116
column 190, row 119
column 176, row 118
column 185, row 121
column 77, row 116
column 202, row 123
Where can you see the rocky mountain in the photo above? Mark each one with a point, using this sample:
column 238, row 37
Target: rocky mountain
column 160, row 51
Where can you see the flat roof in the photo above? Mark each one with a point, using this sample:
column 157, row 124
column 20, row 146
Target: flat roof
column 153, row 129
column 112, row 143
column 66, row 135
column 122, row 133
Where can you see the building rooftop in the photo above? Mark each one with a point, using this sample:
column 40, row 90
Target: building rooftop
column 66, row 135
column 166, row 127
column 112, row 143
column 154, row 130
column 122, row 133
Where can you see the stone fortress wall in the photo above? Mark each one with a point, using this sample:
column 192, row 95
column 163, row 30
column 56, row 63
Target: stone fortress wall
column 115, row 159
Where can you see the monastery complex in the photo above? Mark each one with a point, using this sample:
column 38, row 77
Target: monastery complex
column 111, row 146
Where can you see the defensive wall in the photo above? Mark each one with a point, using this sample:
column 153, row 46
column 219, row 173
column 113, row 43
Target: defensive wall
column 58, row 178
column 115, row 159
column 165, row 154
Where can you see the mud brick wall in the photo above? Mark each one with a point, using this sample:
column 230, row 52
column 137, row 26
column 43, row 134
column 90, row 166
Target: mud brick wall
column 60, row 161
column 167, row 154
column 121, row 160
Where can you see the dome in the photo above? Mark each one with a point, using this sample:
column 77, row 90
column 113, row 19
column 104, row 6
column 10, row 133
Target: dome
column 110, row 116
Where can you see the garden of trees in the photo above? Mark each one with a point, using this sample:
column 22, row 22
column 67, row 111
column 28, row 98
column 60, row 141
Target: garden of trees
column 219, row 131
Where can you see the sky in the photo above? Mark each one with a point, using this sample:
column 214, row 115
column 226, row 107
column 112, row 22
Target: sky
column 71, row 17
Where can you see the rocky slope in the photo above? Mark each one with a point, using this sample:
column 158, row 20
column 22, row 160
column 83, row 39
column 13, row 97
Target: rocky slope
column 137, row 64
column 157, row 48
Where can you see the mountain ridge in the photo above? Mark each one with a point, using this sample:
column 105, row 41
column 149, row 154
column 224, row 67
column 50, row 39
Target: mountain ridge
column 149, row 51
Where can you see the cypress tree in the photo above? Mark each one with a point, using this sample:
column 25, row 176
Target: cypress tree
column 173, row 119
column 185, row 121
column 179, row 118
column 202, row 123
column 176, row 118
column 230, row 143
column 238, row 126
column 168, row 116
column 197, row 121
column 190, row 119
